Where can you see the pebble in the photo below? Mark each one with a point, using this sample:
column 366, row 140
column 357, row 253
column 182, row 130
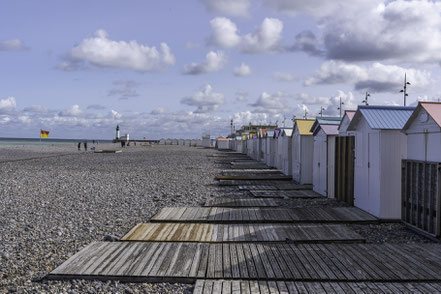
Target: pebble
column 55, row 200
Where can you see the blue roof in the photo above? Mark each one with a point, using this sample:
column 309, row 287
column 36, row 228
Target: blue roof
column 386, row 117
column 269, row 133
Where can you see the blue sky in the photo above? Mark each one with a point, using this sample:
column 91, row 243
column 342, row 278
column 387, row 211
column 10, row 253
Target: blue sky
column 185, row 68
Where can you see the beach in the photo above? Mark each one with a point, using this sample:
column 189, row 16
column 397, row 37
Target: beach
column 55, row 200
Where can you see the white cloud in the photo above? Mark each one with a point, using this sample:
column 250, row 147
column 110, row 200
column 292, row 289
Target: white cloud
column 214, row 61
column 12, row 45
column 74, row 110
column 319, row 8
column 192, row 45
column 125, row 89
column 228, row 7
column 266, row 38
column 272, row 104
column 242, row 70
column 283, row 76
column 241, row 96
column 157, row 111
column 7, row 105
column 206, row 100
column 376, row 78
column 103, row 52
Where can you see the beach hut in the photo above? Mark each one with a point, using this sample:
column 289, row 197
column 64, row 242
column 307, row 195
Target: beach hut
column 223, row 143
column 175, row 142
column 181, row 142
column 187, row 142
column 162, row 142
column 199, row 142
column 324, row 130
column 344, row 160
column 261, row 144
column 302, row 151
column 286, row 151
column 206, row 141
column 275, row 148
column 238, row 145
column 269, row 160
column 168, row 141
column 244, row 144
column 379, row 148
column 421, row 171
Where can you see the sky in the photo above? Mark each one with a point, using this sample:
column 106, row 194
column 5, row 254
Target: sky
column 183, row 69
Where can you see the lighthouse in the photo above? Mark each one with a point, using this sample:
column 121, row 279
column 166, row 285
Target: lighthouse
column 117, row 132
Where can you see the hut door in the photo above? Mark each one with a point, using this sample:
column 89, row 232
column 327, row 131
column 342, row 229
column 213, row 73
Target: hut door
column 373, row 183
column 344, row 169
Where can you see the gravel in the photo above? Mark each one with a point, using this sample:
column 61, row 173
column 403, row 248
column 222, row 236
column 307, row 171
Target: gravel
column 52, row 207
column 55, row 200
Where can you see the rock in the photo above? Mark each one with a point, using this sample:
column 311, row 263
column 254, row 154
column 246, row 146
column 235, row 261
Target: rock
column 110, row 238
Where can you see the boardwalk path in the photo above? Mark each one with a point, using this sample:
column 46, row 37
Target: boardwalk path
column 250, row 245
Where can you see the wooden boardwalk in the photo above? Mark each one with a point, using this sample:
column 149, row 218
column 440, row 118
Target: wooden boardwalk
column 255, row 187
column 263, row 215
column 281, row 287
column 280, row 185
column 285, row 194
column 162, row 261
column 240, row 202
column 259, row 177
column 222, row 233
column 238, row 172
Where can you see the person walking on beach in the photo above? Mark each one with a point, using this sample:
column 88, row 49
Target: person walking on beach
column 79, row 146
column 85, row 146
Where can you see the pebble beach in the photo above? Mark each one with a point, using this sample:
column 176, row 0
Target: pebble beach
column 55, row 200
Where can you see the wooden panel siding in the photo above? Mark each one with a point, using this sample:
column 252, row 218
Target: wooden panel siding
column 222, row 233
column 186, row 262
column 421, row 195
column 344, row 169
column 263, row 215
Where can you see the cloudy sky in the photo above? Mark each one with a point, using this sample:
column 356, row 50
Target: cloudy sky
column 185, row 68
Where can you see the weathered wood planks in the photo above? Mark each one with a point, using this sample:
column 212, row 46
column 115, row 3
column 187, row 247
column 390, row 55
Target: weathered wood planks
column 280, row 185
column 240, row 202
column 283, row 287
column 285, row 194
column 222, row 233
column 266, row 215
column 257, row 187
column 259, row 177
column 153, row 261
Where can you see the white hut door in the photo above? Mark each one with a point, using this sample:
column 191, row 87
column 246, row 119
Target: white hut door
column 373, row 170
column 323, row 166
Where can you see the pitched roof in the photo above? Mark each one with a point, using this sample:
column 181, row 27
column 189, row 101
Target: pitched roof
column 287, row 132
column 349, row 114
column 325, row 120
column 382, row 117
column 269, row 133
column 304, row 126
column 330, row 130
column 432, row 108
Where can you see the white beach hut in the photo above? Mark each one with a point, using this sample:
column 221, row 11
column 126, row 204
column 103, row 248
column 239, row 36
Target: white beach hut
column 286, row 151
column 302, row 151
column 421, row 196
column 168, row 141
column 324, row 131
column 162, row 142
column 379, row 148
column 187, row 142
column 423, row 130
column 269, row 160
column 238, row 145
column 206, row 141
column 181, row 142
column 261, row 140
column 223, row 143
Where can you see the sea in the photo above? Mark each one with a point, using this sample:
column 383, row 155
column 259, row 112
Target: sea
column 44, row 141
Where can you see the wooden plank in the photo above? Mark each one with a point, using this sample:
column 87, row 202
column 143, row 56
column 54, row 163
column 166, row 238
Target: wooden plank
column 260, row 177
column 273, row 215
column 240, row 202
column 135, row 261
